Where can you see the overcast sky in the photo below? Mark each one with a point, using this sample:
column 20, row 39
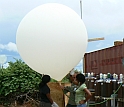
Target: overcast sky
column 102, row 18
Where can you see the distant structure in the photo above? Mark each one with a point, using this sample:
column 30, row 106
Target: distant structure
column 95, row 39
column 92, row 39
column 116, row 43
column 81, row 12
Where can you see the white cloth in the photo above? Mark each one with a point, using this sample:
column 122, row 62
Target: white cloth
column 54, row 104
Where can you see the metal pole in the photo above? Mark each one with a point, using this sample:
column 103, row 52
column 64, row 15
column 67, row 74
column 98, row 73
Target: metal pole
column 81, row 8
column 81, row 18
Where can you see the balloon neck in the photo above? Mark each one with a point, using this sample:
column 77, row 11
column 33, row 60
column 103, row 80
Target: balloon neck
column 59, row 82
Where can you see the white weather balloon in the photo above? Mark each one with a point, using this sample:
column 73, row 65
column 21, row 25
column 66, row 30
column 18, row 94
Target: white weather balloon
column 3, row 59
column 52, row 39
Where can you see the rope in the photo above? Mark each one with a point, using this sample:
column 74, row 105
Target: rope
column 107, row 99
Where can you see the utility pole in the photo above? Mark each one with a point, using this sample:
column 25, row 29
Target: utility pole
column 89, row 40
column 81, row 8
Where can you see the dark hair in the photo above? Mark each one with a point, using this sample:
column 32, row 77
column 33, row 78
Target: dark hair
column 45, row 80
column 80, row 78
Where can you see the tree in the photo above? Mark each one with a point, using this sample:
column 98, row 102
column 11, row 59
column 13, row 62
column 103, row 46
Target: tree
column 18, row 79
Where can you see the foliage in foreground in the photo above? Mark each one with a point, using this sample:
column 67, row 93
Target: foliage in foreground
column 19, row 81
column 16, row 80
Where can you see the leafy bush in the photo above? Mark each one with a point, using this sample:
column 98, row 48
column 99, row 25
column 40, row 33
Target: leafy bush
column 18, row 80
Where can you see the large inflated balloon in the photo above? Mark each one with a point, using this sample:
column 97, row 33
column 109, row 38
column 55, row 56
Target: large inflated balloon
column 3, row 59
column 52, row 39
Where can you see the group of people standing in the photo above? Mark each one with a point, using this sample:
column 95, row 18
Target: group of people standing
column 79, row 93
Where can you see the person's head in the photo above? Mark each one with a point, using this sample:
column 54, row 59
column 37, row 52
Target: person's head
column 80, row 78
column 73, row 77
column 46, row 79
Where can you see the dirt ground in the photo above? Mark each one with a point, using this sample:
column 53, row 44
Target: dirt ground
column 56, row 94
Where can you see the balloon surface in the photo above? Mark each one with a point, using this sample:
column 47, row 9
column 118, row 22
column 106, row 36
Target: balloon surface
column 3, row 59
column 52, row 39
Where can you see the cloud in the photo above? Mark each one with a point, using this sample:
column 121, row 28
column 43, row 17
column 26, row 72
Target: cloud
column 10, row 47
column 104, row 16
column 79, row 67
column 5, row 65
column 99, row 44
column 111, row 1
column 1, row 14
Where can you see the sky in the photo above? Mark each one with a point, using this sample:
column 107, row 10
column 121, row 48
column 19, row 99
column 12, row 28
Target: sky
column 102, row 18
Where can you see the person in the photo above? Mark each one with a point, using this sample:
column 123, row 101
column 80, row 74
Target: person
column 44, row 90
column 82, row 93
column 66, row 89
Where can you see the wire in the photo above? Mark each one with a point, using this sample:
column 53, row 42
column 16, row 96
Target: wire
column 107, row 99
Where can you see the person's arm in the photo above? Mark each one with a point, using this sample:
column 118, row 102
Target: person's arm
column 49, row 97
column 65, row 89
column 88, row 96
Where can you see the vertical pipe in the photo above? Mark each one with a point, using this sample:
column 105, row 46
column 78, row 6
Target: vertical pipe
column 81, row 8
column 83, row 59
column 83, row 64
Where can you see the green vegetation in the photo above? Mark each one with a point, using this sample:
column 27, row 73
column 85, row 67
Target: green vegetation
column 18, row 80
